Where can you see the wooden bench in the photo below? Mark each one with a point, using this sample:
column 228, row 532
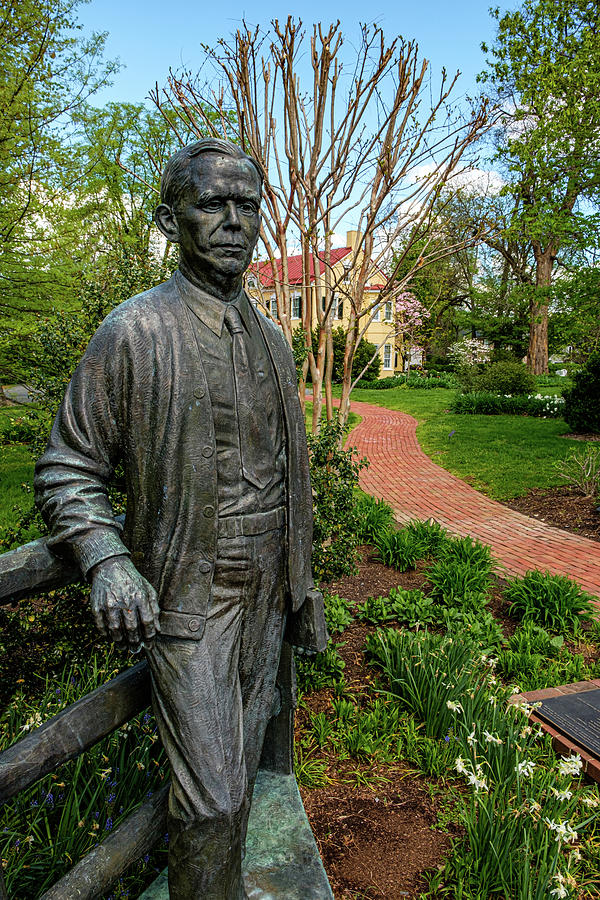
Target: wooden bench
column 282, row 859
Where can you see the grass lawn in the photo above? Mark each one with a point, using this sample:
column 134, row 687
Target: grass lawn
column 503, row 456
column 16, row 469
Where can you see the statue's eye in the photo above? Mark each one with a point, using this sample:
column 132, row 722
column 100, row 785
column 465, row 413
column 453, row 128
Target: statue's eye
column 248, row 207
column 211, row 205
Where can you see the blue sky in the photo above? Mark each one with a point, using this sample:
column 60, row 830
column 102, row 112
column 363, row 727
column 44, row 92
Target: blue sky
column 149, row 37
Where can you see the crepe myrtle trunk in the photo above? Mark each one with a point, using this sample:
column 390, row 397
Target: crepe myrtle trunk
column 537, row 354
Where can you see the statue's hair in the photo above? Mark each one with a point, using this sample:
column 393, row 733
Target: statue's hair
column 176, row 174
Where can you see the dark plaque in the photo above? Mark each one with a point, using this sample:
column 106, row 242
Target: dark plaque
column 577, row 716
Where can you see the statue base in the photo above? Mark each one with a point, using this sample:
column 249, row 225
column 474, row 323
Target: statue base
column 282, row 860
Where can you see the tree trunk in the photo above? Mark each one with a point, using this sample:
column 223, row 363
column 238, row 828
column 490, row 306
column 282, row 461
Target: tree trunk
column 537, row 354
column 329, row 372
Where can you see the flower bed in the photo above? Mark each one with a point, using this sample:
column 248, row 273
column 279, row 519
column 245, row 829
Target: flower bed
column 488, row 404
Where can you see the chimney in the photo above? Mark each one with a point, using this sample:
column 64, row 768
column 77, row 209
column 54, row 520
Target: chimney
column 353, row 239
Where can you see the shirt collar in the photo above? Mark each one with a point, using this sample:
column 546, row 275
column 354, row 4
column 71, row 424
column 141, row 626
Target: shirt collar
column 210, row 310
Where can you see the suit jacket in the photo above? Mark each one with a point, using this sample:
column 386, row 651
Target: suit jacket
column 139, row 395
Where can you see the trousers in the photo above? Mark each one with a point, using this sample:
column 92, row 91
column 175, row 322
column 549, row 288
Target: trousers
column 212, row 700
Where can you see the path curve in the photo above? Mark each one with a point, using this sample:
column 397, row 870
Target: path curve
column 417, row 488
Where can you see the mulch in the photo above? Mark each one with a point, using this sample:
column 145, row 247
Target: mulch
column 563, row 508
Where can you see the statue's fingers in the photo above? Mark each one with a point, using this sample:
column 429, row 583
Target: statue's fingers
column 154, row 607
column 115, row 625
column 99, row 617
column 148, row 620
column 132, row 625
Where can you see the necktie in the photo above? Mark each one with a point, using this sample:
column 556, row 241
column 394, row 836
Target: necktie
column 255, row 445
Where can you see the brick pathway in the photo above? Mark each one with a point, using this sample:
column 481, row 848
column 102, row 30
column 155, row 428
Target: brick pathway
column 416, row 488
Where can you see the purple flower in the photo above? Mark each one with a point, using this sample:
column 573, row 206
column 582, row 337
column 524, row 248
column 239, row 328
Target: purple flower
column 111, row 798
column 109, row 824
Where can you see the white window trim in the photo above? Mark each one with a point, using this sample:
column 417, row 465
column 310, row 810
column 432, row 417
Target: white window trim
column 387, row 352
column 298, row 298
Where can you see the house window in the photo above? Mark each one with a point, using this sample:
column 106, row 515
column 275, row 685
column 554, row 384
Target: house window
column 323, row 303
column 338, row 304
column 296, row 306
column 388, row 311
column 387, row 356
column 377, row 315
column 274, row 306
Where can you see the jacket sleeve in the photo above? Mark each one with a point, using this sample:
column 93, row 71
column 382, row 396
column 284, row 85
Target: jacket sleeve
column 71, row 478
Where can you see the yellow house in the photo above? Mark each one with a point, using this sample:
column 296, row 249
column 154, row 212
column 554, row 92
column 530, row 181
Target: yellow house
column 261, row 286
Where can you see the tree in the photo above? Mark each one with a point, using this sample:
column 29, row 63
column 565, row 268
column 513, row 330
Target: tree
column 364, row 146
column 49, row 74
column 543, row 71
column 124, row 147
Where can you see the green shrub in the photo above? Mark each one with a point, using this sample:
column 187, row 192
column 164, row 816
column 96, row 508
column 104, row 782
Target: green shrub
column 458, row 582
column 552, row 601
column 376, row 611
column 468, row 550
column 398, row 549
column 337, row 613
column 334, row 476
column 321, row 670
column 581, row 470
column 374, row 517
column 582, row 400
column 479, row 625
column 21, row 428
column 462, row 573
column 413, row 607
column 420, row 382
column 482, row 403
column 429, row 534
column 506, row 377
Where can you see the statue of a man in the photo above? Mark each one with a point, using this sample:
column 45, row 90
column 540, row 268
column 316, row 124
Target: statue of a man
column 194, row 391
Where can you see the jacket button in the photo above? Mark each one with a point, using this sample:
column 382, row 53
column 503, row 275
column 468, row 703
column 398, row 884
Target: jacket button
column 204, row 568
column 207, row 452
column 194, row 624
column 209, row 511
column 199, row 392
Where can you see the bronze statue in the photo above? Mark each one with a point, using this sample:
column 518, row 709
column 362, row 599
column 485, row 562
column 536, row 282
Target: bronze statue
column 195, row 392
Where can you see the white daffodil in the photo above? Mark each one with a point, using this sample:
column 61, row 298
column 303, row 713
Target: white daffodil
column 460, row 766
column 525, row 768
column 453, row 706
column 480, row 784
column 492, row 738
column 562, row 795
column 570, row 765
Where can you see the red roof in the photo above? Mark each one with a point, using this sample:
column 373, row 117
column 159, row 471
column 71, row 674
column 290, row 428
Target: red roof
column 265, row 270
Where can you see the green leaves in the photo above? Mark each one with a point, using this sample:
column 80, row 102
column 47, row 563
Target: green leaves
column 552, row 601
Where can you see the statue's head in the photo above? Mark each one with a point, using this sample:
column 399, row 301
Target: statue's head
column 210, row 206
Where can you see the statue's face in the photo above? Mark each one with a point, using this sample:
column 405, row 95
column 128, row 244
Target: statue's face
column 218, row 217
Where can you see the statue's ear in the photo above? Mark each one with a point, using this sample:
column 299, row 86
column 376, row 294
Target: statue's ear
column 167, row 223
